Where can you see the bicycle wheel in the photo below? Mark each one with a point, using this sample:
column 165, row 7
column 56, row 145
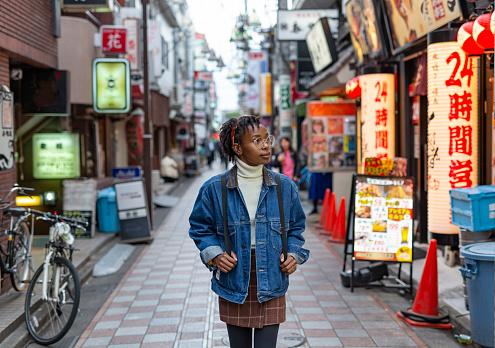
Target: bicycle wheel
column 21, row 257
column 49, row 320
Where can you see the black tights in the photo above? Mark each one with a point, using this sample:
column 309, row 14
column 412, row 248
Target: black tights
column 242, row 337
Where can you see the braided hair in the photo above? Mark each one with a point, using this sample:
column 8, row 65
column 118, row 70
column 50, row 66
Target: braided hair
column 240, row 127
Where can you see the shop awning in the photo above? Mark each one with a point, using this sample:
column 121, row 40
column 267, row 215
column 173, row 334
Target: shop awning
column 336, row 76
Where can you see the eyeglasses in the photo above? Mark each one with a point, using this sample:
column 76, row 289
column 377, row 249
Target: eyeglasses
column 270, row 140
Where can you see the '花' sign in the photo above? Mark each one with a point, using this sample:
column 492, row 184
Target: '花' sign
column 378, row 115
column 452, row 129
column 113, row 39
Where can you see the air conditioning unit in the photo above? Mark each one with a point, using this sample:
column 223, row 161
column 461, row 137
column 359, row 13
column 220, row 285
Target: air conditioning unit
column 176, row 97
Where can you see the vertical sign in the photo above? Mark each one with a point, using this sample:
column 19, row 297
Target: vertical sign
column 132, row 26
column 7, row 131
column 111, row 85
column 257, row 64
column 285, row 115
column 378, row 115
column 266, row 94
column 452, row 129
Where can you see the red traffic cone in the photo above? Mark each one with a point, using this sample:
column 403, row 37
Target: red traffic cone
column 330, row 218
column 424, row 312
column 338, row 235
column 324, row 210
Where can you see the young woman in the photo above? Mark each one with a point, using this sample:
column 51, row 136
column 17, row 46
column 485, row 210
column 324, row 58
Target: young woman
column 253, row 280
column 287, row 160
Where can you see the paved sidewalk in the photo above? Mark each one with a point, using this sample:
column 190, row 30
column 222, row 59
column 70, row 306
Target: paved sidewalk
column 165, row 299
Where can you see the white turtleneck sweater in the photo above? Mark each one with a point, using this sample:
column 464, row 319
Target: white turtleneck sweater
column 250, row 179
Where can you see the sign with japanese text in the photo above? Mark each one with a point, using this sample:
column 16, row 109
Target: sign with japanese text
column 85, row 5
column 203, row 75
column 7, row 158
column 113, row 39
column 111, row 85
column 383, row 218
column 386, row 166
column 411, row 20
column 321, row 45
column 295, row 25
column 452, row 129
column 132, row 26
column 56, row 156
column 365, row 33
column 285, row 113
column 378, row 115
column 331, row 135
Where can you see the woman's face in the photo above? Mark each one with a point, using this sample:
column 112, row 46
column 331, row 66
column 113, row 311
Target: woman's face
column 248, row 152
column 285, row 144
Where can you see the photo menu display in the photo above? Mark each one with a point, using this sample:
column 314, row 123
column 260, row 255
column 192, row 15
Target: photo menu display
column 383, row 218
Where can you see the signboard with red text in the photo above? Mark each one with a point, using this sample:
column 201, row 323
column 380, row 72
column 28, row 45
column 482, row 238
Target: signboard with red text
column 452, row 129
column 113, row 39
column 383, row 218
column 378, row 115
column 132, row 26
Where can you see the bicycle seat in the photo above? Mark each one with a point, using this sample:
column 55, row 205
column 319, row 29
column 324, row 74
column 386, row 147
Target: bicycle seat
column 16, row 211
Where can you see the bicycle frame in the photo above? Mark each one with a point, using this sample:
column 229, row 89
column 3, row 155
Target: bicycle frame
column 6, row 267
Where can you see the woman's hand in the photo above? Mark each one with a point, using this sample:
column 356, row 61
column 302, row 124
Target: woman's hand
column 225, row 263
column 289, row 266
column 281, row 158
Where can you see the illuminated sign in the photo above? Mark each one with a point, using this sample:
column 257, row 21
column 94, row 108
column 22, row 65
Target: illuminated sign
column 378, row 115
column 321, row 45
column 452, row 129
column 56, row 156
column 266, row 94
column 111, row 85
column 113, row 39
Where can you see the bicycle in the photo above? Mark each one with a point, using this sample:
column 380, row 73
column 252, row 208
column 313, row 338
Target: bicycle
column 18, row 261
column 52, row 299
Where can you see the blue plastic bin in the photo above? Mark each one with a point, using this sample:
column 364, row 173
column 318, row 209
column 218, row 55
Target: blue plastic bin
column 479, row 273
column 108, row 218
column 473, row 207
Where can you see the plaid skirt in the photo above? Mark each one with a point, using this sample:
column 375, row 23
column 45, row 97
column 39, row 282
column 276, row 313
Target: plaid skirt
column 252, row 313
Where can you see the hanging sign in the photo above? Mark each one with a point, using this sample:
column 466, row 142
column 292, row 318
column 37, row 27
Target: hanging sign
column 113, row 39
column 266, row 94
column 378, row 115
column 294, row 25
column 383, row 218
column 285, row 114
column 111, row 85
column 132, row 26
column 7, row 131
column 452, row 129
column 56, row 156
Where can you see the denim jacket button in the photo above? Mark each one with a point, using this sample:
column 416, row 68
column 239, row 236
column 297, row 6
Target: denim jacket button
column 244, row 246
column 243, row 218
column 245, row 272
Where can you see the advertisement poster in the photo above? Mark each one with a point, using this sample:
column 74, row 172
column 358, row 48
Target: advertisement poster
column 410, row 20
column 383, row 219
column 331, row 135
column 385, row 166
column 7, row 131
column 362, row 21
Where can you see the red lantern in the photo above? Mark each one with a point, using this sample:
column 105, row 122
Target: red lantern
column 353, row 88
column 482, row 33
column 466, row 41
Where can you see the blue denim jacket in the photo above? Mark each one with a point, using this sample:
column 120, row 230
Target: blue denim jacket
column 207, row 231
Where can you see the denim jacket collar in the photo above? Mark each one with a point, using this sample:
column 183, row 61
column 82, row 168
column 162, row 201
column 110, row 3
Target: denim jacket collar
column 232, row 182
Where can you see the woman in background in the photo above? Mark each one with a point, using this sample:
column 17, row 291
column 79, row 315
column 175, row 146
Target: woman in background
column 287, row 160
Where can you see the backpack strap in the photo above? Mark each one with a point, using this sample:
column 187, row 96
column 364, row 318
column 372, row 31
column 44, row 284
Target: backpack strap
column 226, row 233
column 282, row 216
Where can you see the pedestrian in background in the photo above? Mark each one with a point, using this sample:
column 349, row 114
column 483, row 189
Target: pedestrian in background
column 287, row 160
column 252, row 281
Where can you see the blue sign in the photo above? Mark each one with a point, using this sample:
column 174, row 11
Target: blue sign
column 126, row 173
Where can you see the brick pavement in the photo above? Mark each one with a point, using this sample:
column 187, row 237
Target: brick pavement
column 165, row 299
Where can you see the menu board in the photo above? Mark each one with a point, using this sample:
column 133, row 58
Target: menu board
column 331, row 136
column 383, row 218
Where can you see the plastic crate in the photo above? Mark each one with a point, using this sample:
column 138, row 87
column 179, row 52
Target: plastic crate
column 473, row 207
column 108, row 218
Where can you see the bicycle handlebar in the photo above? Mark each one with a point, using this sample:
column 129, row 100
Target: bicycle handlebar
column 16, row 187
column 56, row 218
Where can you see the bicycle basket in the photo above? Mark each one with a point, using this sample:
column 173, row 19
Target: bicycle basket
column 62, row 232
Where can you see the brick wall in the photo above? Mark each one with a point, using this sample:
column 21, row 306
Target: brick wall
column 26, row 31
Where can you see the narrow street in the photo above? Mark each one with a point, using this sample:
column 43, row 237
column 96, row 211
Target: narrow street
column 164, row 300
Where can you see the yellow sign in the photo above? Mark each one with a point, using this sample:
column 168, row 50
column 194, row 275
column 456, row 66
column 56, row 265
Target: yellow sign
column 111, row 85
column 56, row 156
column 452, row 129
